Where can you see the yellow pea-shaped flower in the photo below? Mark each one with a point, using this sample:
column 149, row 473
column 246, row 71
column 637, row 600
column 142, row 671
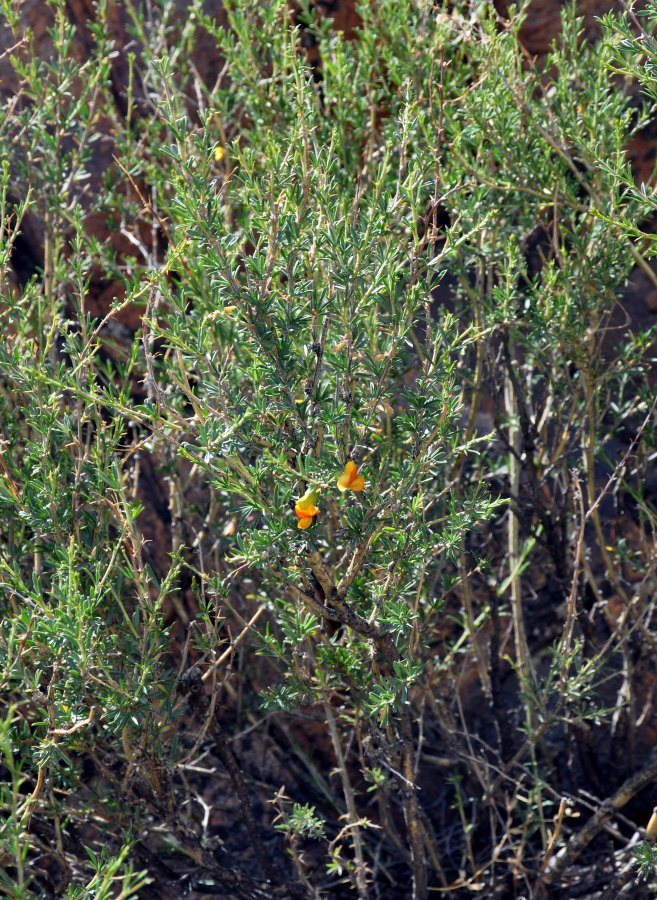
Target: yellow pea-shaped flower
column 350, row 479
column 306, row 509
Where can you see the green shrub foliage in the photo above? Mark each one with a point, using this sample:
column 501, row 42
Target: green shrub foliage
column 366, row 335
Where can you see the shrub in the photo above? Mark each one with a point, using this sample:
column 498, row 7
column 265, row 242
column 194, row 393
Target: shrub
column 376, row 370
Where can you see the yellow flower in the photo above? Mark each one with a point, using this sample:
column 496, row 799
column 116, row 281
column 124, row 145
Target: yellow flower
column 305, row 508
column 350, row 478
column 219, row 154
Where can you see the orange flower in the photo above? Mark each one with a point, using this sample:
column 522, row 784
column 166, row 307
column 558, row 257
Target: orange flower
column 350, row 478
column 305, row 508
